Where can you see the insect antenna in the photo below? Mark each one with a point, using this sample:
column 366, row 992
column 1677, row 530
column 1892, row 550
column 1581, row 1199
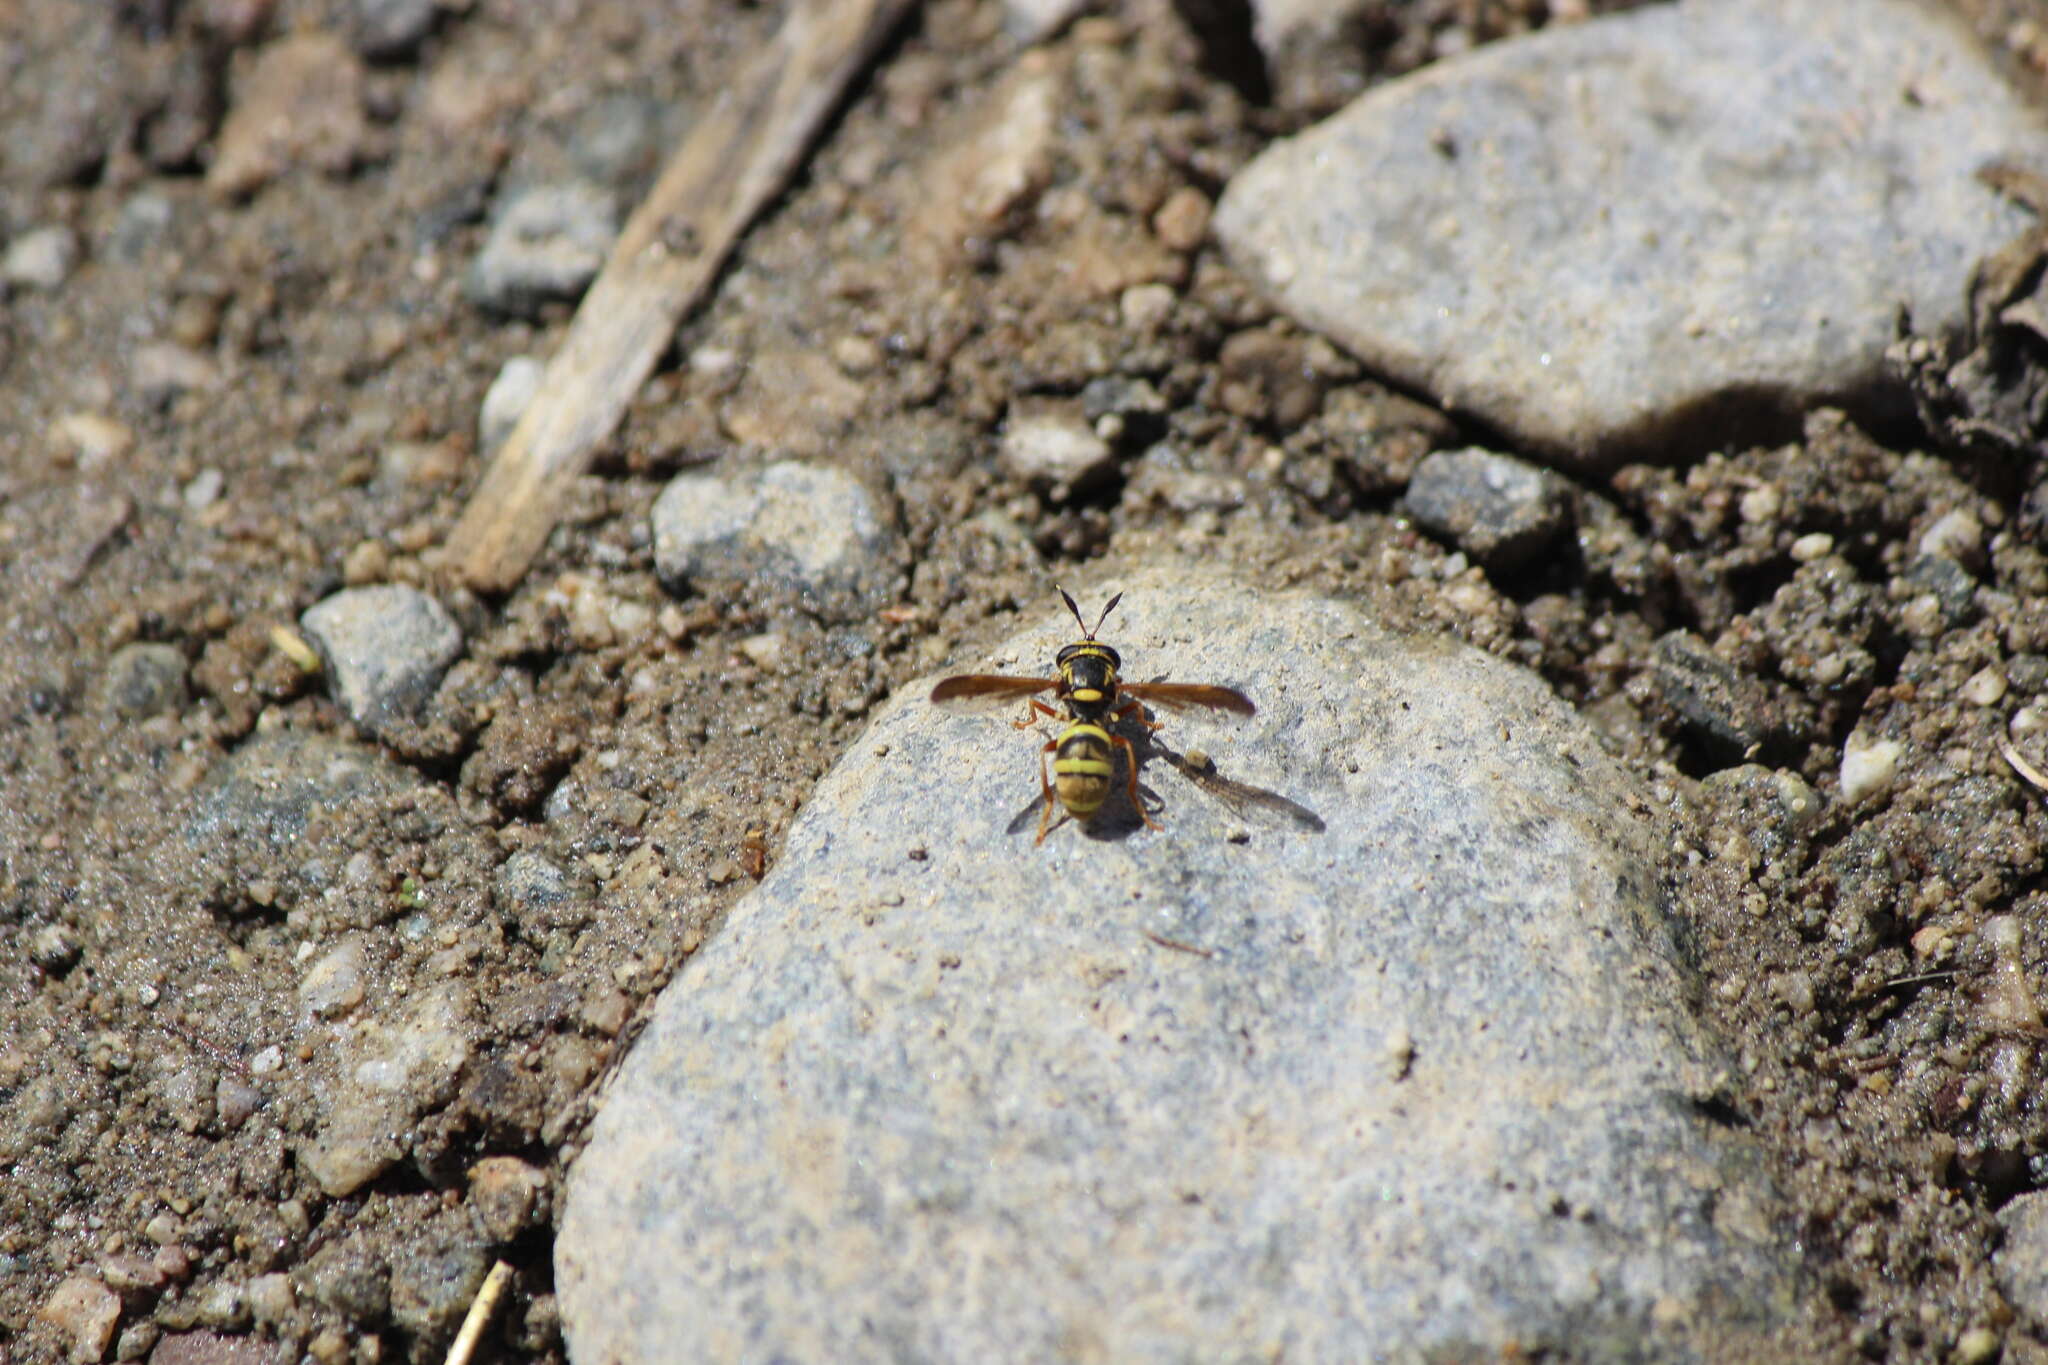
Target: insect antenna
column 1080, row 620
column 1105, row 614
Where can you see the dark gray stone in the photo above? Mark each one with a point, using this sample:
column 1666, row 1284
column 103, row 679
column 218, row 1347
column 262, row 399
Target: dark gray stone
column 145, row 680
column 387, row 30
column 1737, row 713
column 1502, row 511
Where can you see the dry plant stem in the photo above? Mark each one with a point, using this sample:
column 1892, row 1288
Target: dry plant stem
column 2025, row 769
column 734, row 161
column 481, row 1310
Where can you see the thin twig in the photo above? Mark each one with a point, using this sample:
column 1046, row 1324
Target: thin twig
column 481, row 1310
column 735, row 160
column 1177, row 945
column 2025, row 769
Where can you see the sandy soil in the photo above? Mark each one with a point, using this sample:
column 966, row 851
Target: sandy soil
column 254, row 389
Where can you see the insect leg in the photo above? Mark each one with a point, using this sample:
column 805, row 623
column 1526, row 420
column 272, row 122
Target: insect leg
column 1031, row 717
column 1045, row 784
column 1131, row 706
column 1131, row 775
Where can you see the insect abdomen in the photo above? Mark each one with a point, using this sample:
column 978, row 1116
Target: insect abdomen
column 1081, row 769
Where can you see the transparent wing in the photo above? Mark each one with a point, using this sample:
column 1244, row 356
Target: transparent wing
column 1241, row 797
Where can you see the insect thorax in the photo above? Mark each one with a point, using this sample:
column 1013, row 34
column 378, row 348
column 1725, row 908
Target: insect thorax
column 1088, row 676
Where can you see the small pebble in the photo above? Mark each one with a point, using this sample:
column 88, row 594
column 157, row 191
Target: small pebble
column 1814, row 545
column 204, row 489
column 143, row 680
column 1146, row 306
column 1957, row 534
column 546, row 242
column 386, row 649
column 299, row 104
column 1922, row 616
column 766, row 650
column 857, row 355
column 1868, row 766
column 334, row 985
column 54, row 948
column 1502, row 511
column 387, row 30
column 91, row 438
column 1760, row 505
column 1985, row 687
column 1054, row 447
column 1183, row 220
column 136, row 1341
column 223, row 1305
column 270, row 1299
column 161, row 370
column 84, row 1311
column 789, row 530
column 506, row 401
column 235, row 1102
column 41, row 258
column 503, row 1192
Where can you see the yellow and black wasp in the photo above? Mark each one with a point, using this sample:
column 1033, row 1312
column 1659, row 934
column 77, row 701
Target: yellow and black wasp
column 1086, row 681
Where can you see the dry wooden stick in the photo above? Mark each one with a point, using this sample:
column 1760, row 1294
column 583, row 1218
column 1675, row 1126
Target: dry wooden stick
column 737, row 158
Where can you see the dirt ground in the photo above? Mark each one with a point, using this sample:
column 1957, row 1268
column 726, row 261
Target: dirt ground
column 252, row 390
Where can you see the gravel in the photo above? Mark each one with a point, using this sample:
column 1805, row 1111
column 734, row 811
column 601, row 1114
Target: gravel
column 41, row 258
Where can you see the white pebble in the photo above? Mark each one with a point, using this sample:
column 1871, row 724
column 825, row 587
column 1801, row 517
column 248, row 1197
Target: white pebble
column 1812, row 546
column 1868, row 766
column 1985, row 687
column 1958, row 535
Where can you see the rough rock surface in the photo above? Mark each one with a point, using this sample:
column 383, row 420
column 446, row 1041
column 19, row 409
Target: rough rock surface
column 1598, row 236
column 1418, row 1084
column 387, row 647
column 792, row 533
column 1502, row 511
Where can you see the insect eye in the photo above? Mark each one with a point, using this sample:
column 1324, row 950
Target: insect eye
column 1115, row 661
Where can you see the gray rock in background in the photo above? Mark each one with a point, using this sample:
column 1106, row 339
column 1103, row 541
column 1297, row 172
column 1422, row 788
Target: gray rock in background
column 2022, row 1263
column 506, row 401
column 547, row 242
column 788, row 533
column 41, row 258
column 1634, row 231
column 1419, row 1085
column 145, row 679
column 386, row 648
column 1502, row 511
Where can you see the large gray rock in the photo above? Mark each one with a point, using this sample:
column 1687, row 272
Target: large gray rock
column 1608, row 237
column 1419, row 1083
